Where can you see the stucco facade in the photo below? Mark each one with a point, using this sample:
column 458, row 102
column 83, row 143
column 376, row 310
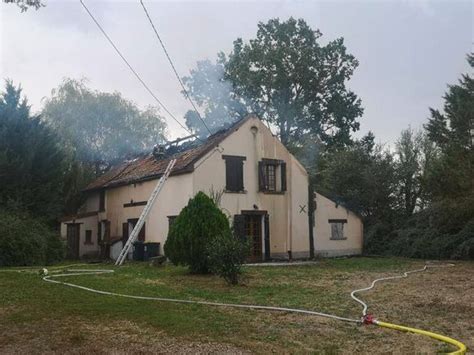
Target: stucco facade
column 283, row 214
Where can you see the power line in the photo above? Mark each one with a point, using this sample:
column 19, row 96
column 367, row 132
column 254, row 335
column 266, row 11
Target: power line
column 134, row 71
column 172, row 66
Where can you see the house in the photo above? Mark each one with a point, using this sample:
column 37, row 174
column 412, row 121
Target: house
column 264, row 192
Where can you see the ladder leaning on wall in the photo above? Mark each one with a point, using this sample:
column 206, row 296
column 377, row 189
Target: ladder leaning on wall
column 146, row 211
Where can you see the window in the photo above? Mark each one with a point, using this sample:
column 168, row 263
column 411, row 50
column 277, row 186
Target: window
column 88, row 237
column 102, row 200
column 234, row 173
column 272, row 176
column 337, row 228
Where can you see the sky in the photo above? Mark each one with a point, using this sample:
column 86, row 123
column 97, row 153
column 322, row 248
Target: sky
column 409, row 51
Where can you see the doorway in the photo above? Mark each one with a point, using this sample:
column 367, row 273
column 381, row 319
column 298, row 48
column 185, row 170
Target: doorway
column 73, row 235
column 256, row 228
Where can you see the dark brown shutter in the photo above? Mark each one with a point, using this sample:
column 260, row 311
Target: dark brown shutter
column 239, row 226
column 234, row 172
column 267, row 236
column 124, row 232
column 261, row 176
column 239, row 171
column 283, row 176
column 102, row 200
column 99, row 232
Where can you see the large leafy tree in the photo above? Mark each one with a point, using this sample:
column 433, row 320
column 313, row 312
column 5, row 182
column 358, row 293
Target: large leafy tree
column 31, row 159
column 101, row 128
column 289, row 79
column 453, row 132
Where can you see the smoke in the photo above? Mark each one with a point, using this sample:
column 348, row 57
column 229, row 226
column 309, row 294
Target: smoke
column 219, row 104
column 101, row 128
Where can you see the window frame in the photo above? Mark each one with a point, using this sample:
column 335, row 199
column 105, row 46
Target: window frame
column 278, row 186
column 333, row 224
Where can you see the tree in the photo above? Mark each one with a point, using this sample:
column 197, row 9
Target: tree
column 289, row 79
column 193, row 231
column 415, row 155
column 99, row 128
column 453, row 133
column 31, row 159
column 24, row 5
column 362, row 177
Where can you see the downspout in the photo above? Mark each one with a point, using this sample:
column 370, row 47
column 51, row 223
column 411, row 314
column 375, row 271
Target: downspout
column 311, row 209
column 289, row 203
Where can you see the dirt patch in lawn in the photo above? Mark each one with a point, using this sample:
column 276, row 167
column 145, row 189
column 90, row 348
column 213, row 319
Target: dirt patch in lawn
column 77, row 336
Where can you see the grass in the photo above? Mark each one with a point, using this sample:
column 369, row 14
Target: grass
column 438, row 300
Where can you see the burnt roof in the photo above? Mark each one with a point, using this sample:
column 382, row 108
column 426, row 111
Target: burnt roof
column 148, row 167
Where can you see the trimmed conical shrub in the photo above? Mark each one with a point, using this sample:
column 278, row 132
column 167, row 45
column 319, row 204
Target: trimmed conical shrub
column 189, row 237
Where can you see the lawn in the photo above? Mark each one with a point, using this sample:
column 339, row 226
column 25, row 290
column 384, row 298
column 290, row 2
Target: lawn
column 42, row 317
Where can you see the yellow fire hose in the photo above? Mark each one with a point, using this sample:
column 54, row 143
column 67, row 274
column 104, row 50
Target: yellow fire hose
column 369, row 318
column 461, row 347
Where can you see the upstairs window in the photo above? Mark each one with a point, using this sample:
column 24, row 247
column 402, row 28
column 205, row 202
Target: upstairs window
column 272, row 176
column 102, row 200
column 234, row 173
column 337, row 228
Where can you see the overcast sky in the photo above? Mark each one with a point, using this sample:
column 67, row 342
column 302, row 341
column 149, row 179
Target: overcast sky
column 408, row 50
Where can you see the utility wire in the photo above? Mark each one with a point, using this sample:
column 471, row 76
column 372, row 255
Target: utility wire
column 172, row 66
column 134, row 71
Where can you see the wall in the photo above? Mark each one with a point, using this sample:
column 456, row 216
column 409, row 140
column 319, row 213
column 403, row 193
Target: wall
column 287, row 226
column 173, row 197
column 299, row 208
column 87, row 223
column 353, row 229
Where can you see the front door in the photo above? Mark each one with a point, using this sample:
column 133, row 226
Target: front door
column 253, row 231
column 73, row 240
column 131, row 225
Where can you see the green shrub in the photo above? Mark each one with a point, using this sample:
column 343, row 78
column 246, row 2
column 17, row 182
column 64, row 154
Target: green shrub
column 443, row 231
column 27, row 241
column 192, row 232
column 227, row 253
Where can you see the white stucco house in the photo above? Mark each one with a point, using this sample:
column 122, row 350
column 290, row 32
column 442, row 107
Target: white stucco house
column 264, row 189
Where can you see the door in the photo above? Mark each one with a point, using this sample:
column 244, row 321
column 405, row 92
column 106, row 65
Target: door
column 72, row 235
column 253, row 231
column 131, row 225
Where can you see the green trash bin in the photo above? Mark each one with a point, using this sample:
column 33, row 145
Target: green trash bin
column 151, row 250
column 139, row 251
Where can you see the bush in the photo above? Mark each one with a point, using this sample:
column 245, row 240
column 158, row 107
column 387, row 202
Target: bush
column 194, row 229
column 227, row 253
column 27, row 241
column 442, row 231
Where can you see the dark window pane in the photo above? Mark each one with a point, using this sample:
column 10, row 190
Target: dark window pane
column 270, row 177
column 88, row 237
column 102, row 200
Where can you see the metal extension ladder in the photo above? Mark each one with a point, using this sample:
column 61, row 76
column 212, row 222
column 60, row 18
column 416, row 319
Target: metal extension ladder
column 146, row 211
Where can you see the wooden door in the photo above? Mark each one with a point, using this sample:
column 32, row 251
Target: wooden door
column 72, row 234
column 253, row 231
column 132, row 223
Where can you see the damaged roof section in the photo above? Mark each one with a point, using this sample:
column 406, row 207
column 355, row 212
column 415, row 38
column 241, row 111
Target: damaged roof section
column 148, row 167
